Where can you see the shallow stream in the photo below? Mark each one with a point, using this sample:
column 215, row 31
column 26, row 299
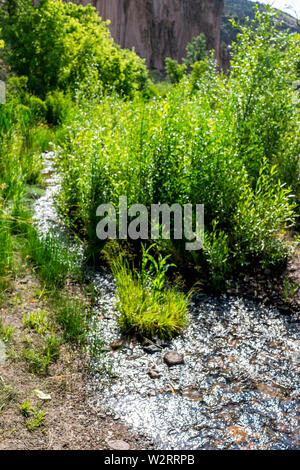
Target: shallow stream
column 237, row 389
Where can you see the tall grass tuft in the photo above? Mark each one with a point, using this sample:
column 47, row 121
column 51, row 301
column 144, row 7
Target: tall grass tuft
column 228, row 142
column 73, row 316
column 148, row 308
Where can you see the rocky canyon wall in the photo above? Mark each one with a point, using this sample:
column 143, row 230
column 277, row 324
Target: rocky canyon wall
column 161, row 28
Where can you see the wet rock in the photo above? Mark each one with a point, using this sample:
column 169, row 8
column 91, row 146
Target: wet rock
column 118, row 445
column 117, row 344
column 173, row 358
column 162, row 343
column 154, row 374
column 2, row 352
column 150, row 347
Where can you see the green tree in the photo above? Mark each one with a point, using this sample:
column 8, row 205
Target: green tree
column 59, row 45
column 175, row 71
column 196, row 50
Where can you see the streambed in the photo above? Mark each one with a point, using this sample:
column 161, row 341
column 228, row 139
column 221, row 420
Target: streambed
column 239, row 384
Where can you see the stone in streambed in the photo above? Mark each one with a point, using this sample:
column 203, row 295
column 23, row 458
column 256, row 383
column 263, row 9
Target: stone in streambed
column 151, row 349
column 173, row 358
column 154, row 374
column 118, row 445
column 117, row 344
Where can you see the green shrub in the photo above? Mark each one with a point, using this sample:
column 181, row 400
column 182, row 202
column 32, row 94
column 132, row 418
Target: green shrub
column 175, row 71
column 38, row 108
column 232, row 145
column 266, row 117
column 58, row 106
column 199, row 69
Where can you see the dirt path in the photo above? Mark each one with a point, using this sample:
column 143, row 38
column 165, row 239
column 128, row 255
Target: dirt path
column 69, row 420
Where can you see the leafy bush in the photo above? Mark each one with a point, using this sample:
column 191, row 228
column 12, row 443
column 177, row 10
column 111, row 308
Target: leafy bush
column 199, row 70
column 60, row 45
column 262, row 71
column 58, row 107
column 148, row 308
column 38, row 108
column 175, row 71
column 231, row 145
column 196, row 50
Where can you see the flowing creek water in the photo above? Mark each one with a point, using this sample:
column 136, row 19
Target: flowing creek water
column 237, row 389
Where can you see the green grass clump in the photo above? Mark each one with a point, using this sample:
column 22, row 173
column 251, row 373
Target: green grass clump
column 25, row 408
column 7, row 395
column 37, row 421
column 6, row 332
column 145, row 306
column 37, row 361
column 37, row 416
column 6, row 249
column 52, row 346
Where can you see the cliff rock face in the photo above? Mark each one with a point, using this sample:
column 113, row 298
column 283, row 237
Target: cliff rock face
column 161, row 28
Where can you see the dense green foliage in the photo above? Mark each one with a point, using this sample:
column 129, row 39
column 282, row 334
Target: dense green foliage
column 231, row 143
column 196, row 52
column 64, row 46
column 228, row 142
column 239, row 10
column 175, row 71
column 23, row 138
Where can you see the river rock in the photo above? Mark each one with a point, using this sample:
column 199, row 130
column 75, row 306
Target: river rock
column 117, row 344
column 173, row 358
column 118, row 445
column 150, row 347
column 2, row 352
column 154, row 374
